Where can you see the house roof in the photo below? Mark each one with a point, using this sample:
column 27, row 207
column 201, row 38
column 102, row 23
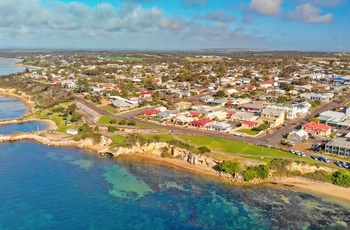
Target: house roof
column 150, row 112
column 202, row 122
column 316, row 127
column 195, row 113
column 250, row 123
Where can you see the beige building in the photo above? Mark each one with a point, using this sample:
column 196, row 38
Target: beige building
column 272, row 117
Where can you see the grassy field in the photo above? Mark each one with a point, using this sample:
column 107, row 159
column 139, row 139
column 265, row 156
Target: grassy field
column 202, row 59
column 235, row 147
column 247, row 131
column 118, row 140
column 109, row 109
column 104, row 120
column 132, row 59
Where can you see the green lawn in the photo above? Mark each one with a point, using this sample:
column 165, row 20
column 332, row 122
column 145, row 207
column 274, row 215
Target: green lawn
column 109, row 109
column 132, row 59
column 236, row 147
column 347, row 104
column 163, row 137
column 104, row 120
column 117, row 140
column 247, row 131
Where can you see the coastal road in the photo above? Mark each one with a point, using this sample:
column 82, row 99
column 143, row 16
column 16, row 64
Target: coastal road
column 269, row 139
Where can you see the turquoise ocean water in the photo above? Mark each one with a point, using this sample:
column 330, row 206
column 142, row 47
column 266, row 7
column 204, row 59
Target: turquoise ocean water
column 44, row 187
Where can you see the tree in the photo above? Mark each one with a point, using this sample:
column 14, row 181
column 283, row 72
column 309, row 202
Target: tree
column 282, row 99
column 286, row 86
column 262, row 171
column 249, row 174
column 220, row 93
column 341, row 178
column 76, row 117
column 229, row 167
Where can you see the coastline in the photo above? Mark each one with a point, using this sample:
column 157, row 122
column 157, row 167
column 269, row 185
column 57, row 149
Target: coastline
column 29, row 66
column 23, row 97
column 326, row 190
column 59, row 139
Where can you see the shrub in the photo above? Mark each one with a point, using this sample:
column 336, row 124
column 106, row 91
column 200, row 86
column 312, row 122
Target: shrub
column 249, row 174
column 341, row 178
column 112, row 129
column 122, row 122
column 85, row 128
column 113, row 121
column 229, row 167
column 320, row 175
column 132, row 123
column 58, row 109
column 262, row 171
column 76, row 117
column 203, row 149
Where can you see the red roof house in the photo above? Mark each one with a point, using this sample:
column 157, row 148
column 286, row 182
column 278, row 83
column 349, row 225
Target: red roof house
column 195, row 113
column 202, row 122
column 250, row 124
column 150, row 112
column 317, row 129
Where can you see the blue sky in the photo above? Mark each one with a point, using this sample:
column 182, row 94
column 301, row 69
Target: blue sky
column 316, row 25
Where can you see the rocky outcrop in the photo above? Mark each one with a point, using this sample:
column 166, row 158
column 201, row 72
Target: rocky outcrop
column 86, row 143
column 306, row 168
column 161, row 149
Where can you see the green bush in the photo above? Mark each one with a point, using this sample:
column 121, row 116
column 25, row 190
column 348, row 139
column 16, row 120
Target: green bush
column 341, row 178
column 279, row 165
column 76, row 117
column 58, row 109
column 113, row 121
column 262, row 171
column 249, row 174
column 85, row 128
column 122, row 122
column 132, row 123
column 229, row 167
column 203, row 149
column 319, row 175
column 112, row 129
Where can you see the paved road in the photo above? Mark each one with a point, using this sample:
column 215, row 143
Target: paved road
column 269, row 140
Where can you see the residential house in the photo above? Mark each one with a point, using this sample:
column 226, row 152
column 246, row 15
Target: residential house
column 183, row 105
column 317, row 129
column 220, row 127
column 250, row 124
column 206, row 98
column 244, row 116
column 219, row 102
column 272, row 117
column 122, row 104
column 317, row 96
column 298, row 135
column 202, row 123
column 334, row 118
column 291, row 111
column 252, row 107
column 166, row 115
column 145, row 95
column 150, row 112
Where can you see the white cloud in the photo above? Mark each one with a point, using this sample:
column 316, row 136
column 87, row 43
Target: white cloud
column 266, row 7
column 310, row 14
column 55, row 24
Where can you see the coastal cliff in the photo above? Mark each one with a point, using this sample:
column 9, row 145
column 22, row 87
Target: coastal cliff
column 161, row 149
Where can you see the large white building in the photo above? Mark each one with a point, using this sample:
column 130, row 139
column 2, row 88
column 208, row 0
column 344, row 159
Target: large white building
column 291, row 111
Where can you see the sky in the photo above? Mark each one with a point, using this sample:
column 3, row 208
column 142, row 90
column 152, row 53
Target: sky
column 314, row 25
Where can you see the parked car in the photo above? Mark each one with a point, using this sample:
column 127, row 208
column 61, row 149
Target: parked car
column 302, row 154
column 314, row 157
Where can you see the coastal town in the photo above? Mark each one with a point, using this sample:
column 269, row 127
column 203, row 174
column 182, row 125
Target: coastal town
column 296, row 104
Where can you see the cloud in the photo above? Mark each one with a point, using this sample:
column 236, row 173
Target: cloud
column 217, row 16
column 310, row 14
column 326, row 3
column 195, row 2
column 266, row 7
column 56, row 24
